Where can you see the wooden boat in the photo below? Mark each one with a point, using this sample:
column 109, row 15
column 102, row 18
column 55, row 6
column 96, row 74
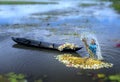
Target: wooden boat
column 40, row 44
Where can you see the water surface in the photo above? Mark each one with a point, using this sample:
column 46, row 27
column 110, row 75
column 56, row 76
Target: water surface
column 57, row 23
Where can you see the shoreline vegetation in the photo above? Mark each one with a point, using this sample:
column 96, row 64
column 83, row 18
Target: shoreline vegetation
column 87, row 5
column 115, row 4
column 24, row 2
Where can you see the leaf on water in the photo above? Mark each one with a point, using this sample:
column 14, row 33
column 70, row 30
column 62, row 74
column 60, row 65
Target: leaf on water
column 115, row 77
column 21, row 76
column 13, row 77
column 13, row 80
column 101, row 75
column 10, row 74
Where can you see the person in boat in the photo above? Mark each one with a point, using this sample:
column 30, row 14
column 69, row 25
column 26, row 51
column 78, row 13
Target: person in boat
column 91, row 48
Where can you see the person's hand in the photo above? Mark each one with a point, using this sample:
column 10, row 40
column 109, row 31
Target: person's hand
column 84, row 39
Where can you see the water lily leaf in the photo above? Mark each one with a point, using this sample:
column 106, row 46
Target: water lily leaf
column 20, row 76
column 101, row 75
column 14, row 76
column 115, row 77
column 10, row 74
column 13, row 80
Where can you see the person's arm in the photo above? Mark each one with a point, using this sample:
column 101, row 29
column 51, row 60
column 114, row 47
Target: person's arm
column 85, row 42
column 87, row 48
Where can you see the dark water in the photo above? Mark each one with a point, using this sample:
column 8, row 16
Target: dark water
column 56, row 23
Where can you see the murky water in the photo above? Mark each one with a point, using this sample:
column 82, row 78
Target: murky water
column 56, row 23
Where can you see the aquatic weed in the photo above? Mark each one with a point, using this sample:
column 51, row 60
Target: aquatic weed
column 24, row 2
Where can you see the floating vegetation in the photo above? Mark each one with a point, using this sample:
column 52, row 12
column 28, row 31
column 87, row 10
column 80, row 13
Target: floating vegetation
column 115, row 4
column 83, row 63
column 67, row 46
column 24, row 2
column 54, row 13
column 114, row 77
column 24, row 25
column 74, row 34
column 52, row 29
column 13, row 77
column 19, row 25
column 87, row 5
column 105, row 78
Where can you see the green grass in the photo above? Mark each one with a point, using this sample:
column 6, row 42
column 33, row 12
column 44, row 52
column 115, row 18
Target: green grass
column 23, row 2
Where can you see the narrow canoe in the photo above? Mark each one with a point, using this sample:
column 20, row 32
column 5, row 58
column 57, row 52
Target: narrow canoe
column 41, row 44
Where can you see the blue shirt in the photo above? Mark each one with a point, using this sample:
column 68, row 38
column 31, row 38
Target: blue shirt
column 93, row 48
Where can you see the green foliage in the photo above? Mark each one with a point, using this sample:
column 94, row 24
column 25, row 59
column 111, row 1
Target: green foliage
column 72, row 34
column 110, row 78
column 12, row 77
column 115, row 78
column 87, row 5
column 115, row 4
column 24, row 2
column 17, row 76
